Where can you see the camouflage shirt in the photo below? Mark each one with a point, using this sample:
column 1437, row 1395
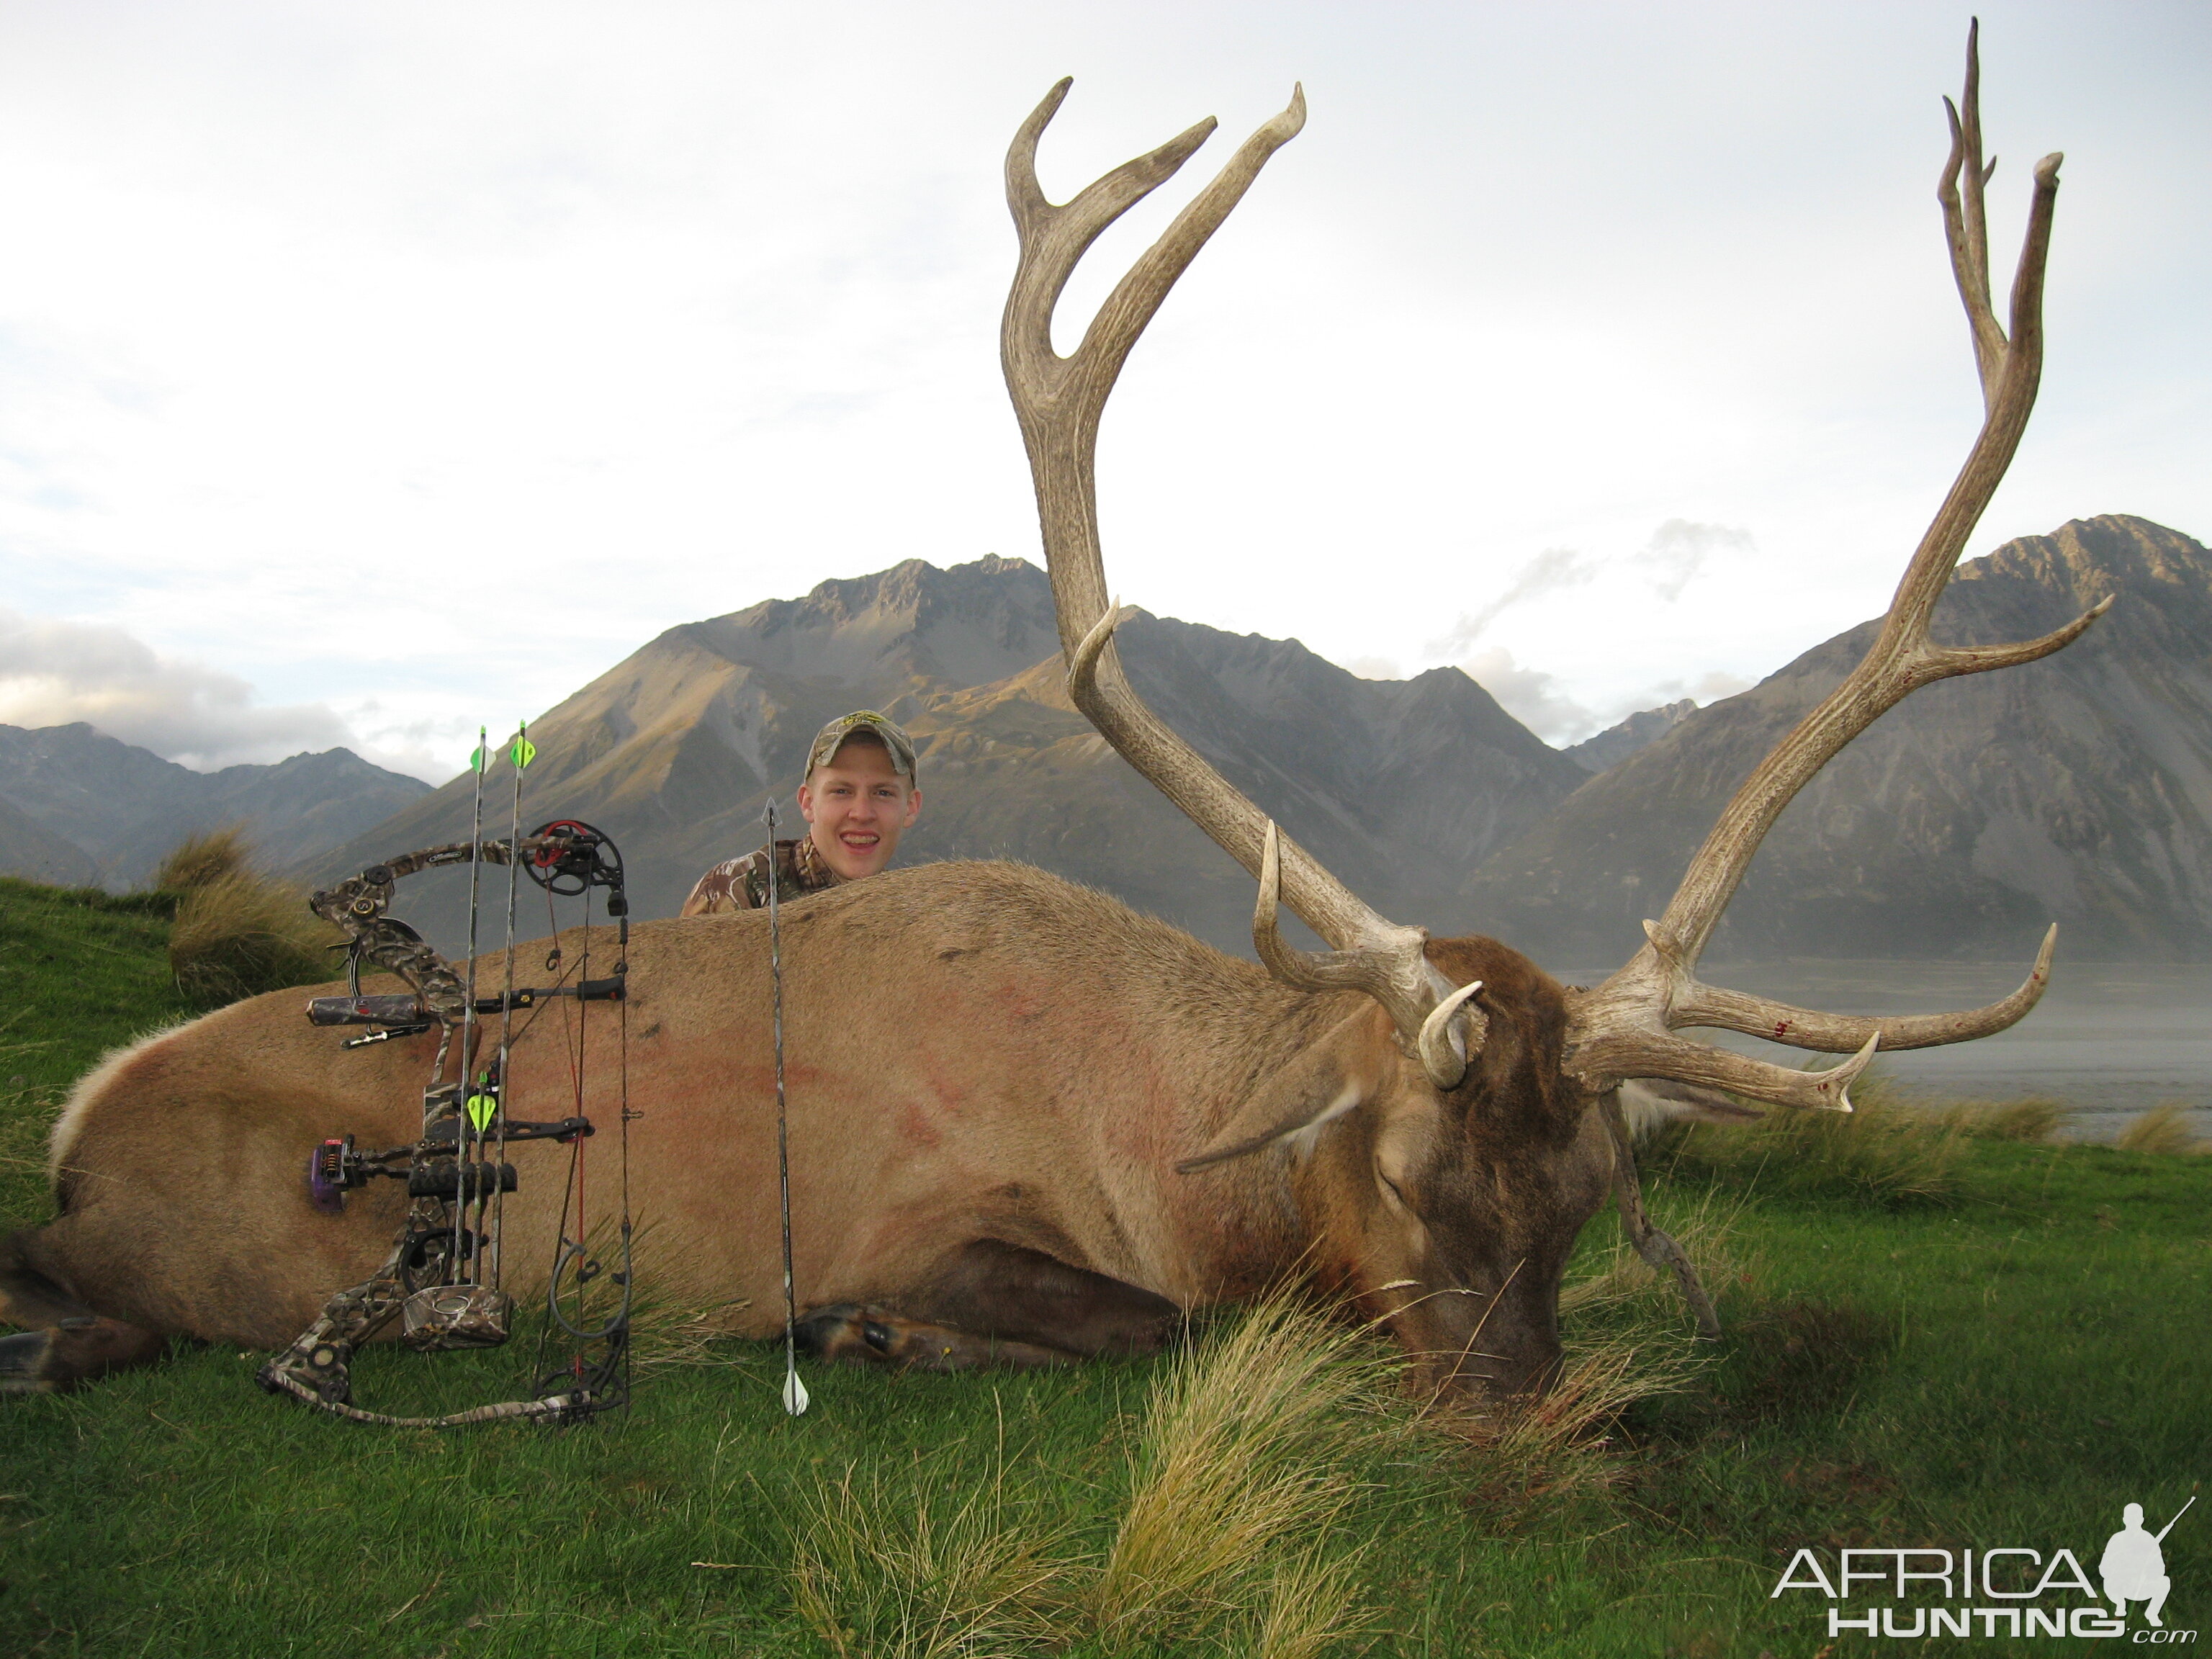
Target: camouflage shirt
column 741, row 883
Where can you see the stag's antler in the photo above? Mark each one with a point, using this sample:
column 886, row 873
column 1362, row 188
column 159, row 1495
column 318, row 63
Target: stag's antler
column 1059, row 401
column 1625, row 1029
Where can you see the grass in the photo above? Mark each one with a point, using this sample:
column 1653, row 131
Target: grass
column 969, row 1568
column 239, row 933
column 2164, row 1129
column 1233, row 1532
column 2006, row 1357
column 1890, row 1150
column 1241, row 1486
column 81, row 971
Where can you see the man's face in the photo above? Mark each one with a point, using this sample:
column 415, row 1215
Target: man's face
column 859, row 807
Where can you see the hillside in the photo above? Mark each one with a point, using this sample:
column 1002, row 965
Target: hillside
column 119, row 808
column 2077, row 789
column 1401, row 785
column 31, row 852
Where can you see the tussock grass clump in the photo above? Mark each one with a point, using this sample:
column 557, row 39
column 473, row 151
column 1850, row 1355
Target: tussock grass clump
column 200, row 860
column 874, row 1572
column 2165, row 1128
column 1231, row 1536
column 238, row 932
column 1243, row 1472
column 1890, row 1149
column 2032, row 1122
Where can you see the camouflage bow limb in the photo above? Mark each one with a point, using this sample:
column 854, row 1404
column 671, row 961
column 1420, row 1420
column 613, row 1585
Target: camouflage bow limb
column 357, row 909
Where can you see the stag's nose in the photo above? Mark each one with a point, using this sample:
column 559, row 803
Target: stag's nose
column 1497, row 1370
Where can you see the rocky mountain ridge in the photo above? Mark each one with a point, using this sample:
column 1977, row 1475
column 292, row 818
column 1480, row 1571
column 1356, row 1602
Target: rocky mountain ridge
column 2076, row 789
column 1640, row 731
column 1401, row 785
column 104, row 811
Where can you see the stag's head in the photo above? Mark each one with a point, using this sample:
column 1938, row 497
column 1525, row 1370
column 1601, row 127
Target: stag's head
column 1461, row 1121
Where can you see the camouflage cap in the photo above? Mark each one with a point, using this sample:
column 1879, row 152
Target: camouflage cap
column 831, row 738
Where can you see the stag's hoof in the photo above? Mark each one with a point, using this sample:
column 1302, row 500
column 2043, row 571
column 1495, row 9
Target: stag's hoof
column 23, row 1360
column 848, row 1331
column 60, row 1357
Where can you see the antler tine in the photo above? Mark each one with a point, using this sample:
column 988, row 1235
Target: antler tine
column 1059, row 401
column 1841, row 1033
column 1623, row 1055
column 1656, row 991
column 1054, row 238
column 1965, row 226
column 1413, row 1006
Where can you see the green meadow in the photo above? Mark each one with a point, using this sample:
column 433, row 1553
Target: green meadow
column 1945, row 1328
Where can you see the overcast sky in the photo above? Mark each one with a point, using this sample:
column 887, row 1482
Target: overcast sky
column 369, row 372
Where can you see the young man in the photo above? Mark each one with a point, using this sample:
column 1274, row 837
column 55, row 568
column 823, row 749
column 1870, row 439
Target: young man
column 859, row 796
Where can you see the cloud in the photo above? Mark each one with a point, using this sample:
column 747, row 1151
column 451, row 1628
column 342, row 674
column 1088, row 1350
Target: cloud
column 1713, row 687
column 1679, row 548
column 1376, row 668
column 1530, row 695
column 1554, row 569
column 1708, row 687
column 53, row 674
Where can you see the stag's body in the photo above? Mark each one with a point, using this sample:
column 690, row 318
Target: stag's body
column 978, row 1055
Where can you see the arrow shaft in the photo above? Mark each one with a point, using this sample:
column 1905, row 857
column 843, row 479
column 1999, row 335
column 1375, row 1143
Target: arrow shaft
column 794, row 1395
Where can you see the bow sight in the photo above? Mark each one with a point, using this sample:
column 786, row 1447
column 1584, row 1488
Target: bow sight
column 441, row 1277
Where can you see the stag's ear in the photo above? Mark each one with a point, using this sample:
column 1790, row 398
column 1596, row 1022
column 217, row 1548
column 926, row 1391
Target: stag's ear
column 1334, row 1075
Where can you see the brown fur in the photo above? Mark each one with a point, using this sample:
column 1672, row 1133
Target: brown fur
column 992, row 1075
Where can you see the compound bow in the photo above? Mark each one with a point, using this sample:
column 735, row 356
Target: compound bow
column 441, row 1279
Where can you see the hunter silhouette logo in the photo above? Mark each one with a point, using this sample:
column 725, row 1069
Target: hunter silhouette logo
column 2134, row 1567
column 1996, row 1591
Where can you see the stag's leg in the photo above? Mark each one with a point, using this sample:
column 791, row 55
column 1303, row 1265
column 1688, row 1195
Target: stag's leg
column 993, row 1303
column 69, row 1343
column 875, row 1336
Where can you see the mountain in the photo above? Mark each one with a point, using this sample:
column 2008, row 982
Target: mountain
column 1640, row 731
column 1401, row 786
column 120, row 808
column 31, row 852
column 2076, row 789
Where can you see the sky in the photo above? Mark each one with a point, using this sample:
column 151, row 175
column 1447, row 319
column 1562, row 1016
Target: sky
column 369, row 372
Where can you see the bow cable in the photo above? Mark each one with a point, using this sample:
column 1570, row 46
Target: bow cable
column 465, row 1260
column 521, row 755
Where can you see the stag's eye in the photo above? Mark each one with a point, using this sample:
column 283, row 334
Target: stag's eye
column 1394, row 1188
